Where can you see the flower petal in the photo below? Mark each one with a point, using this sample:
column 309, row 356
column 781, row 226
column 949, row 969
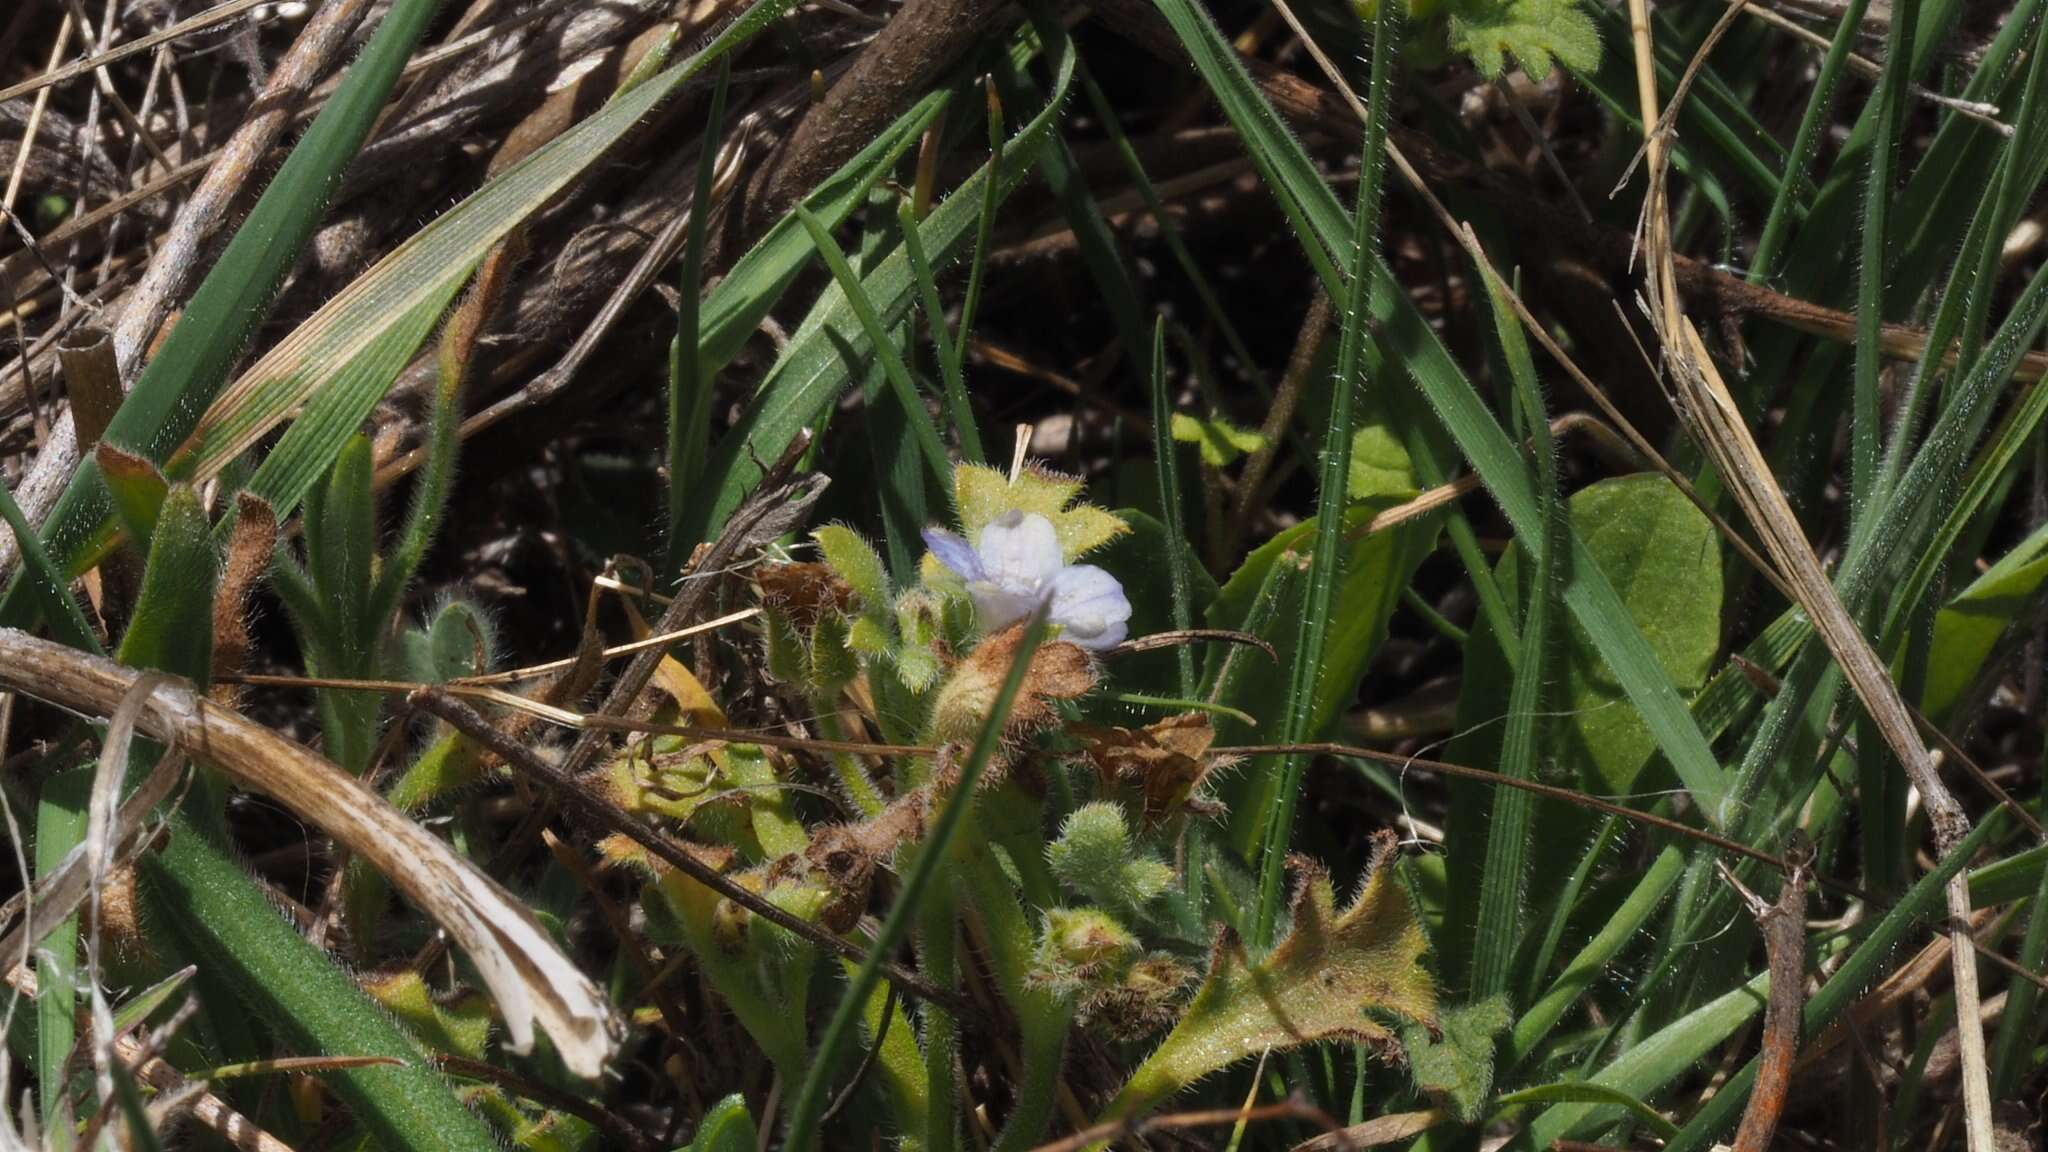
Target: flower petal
column 954, row 552
column 1020, row 551
column 996, row 607
column 1090, row 606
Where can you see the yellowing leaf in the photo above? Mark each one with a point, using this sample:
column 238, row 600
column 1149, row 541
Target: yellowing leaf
column 460, row 1027
column 981, row 494
column 1220, row 440
column 1335, row 976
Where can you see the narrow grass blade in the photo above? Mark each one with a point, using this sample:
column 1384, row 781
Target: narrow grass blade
column 812, row 370
column 689, row 385
column 894, row 370
column 1335, row 482
column 1167, row 453
column 1890, row 102
column 1570, row 986
column 953, row 379
column 1498, row 938
column 1819, row 105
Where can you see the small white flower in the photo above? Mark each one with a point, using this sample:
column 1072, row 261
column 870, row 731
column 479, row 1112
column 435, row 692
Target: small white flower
column 1017, row 565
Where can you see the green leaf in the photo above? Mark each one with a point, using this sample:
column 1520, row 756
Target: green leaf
column 1662, row 557
column 144, row 1004
column 1380, row 464
column 459, row 1027
column 1534, row 32
column 982, row 494
column 1374, row 569
column 1456, row 1067
column 1969, row 627
column 172, row 628
column 727, row 1128
column 1334, row 975
column 855, row 561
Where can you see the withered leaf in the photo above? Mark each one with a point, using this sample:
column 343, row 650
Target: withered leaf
column 803, row 592
column 1167, row 762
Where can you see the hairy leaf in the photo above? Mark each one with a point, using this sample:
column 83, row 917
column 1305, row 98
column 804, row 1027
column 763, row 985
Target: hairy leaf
column 1335, row 975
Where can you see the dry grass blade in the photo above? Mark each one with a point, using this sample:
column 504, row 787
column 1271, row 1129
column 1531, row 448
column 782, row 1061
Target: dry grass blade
column 198, row 22
column 177, row 254
column 1710, row 410
column 59, row 894
column 532, row 981
column 234, row 1129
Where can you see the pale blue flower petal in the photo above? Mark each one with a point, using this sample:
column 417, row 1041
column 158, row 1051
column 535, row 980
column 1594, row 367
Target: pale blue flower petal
column 1020, row 552
column 954, row 552
column 1090, row 607
column 997, row 607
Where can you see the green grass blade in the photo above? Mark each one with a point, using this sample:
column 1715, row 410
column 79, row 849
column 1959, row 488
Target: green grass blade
column 1169, row 233
column 1404, row 337
column 1870, row 296
column 2017, row 1031
column 1570, row 986
column 744, row 296
column 690, row 386
column 992, row 194
column 1498, row 938
column 1583, row 1092
column 46, row 585
column 1333, row 490
column 952, row 379
column 1819, row 105
column 1167, row 453
column 812, row 371
column 810, row 1098
column 897, row 373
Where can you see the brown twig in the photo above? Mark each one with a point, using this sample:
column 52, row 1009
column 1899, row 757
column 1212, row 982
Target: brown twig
column 921, row 41
column 1190, row 635
column 1783, row 925
column 614, row 1126
column 1292, row 1108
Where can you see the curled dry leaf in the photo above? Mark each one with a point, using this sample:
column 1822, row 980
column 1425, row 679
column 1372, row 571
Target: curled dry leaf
column 1167, row 762
column 532, row 981
column 1059, row 671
